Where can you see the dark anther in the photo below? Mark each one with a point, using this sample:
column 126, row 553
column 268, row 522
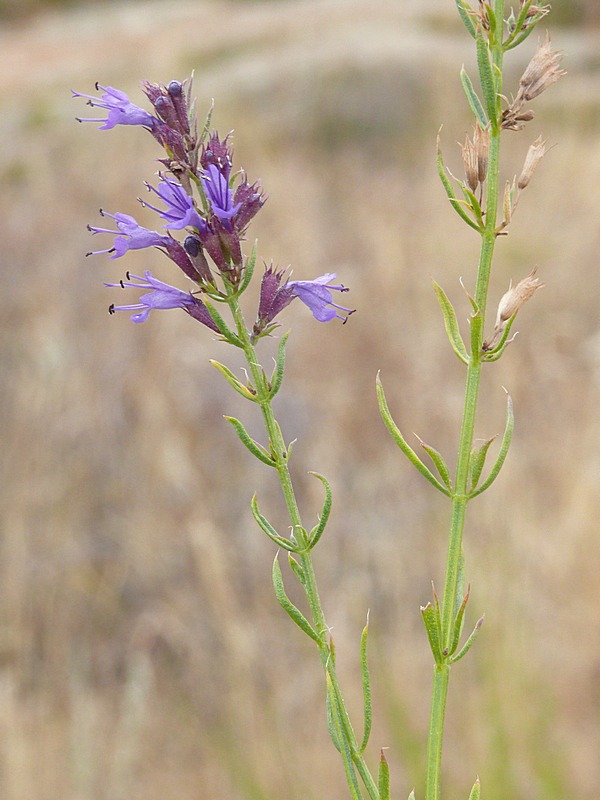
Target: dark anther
column 97, row 86
column 128, row 275
column 111, row 308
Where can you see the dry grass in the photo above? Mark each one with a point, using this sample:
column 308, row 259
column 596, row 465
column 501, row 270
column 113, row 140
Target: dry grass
column 142, row 653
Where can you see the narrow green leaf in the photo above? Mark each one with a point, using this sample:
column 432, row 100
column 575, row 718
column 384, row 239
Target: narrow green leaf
column 504, row 445
column 256, row 449
column 248, row 272
column 458, row 624
column 439, row 462
column 473, row 99
column 431, row 619
column 266, row 526
column 294, row 613
column 224, row 329
column 277, row 376
column 457, row 204
column 475, row 791
column 234, row 382
column 451, row 324
column 469, row 643
column 466, row 14
column 477, row 461
column 486, row 77
column 344, row 749
column 330, row 726
column 383, row 782
column 366, row 685
column 317, row 531
column 297, row 569
column 402, row 444
column 473, row 203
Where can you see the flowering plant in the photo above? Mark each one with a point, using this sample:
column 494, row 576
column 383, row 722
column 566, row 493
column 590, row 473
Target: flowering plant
column 211, row 206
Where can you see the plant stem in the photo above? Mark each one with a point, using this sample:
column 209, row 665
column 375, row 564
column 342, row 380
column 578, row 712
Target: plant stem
column 452, row 586
column 351, row 752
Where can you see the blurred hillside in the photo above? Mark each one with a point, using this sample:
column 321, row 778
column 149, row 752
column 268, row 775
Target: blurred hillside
column 142, row 654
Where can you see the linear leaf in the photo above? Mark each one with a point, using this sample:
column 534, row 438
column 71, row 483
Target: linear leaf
column 256, row 449
column 277, row 376
column 439, row 462
column 456, row 204
column 477, row 461
column 266, row 526
column 466, row 14
column 475, row 791
column 451, row 324
column 224, row 329
column 366, row 685
column 234, row 382
column 249, row 271
column 403, row 444
column 473, row 99
column 469, row 643
column 384, row 778
column 458, row 624
column 317, row 531
column 431, row 620
column 486, row 77
column 504, row 445
column 294, row 613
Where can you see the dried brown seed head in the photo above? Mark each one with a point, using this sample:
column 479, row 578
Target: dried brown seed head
column 509, row 305
column 534, row 155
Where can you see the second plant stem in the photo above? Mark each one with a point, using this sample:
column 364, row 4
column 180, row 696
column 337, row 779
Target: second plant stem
column 452, row 586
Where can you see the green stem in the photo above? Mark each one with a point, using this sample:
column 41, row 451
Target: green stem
column 452, row 586
column 279, row 453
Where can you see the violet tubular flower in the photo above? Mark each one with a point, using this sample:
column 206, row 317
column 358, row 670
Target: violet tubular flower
column 121, row 111
column 130, row 236
column 316, row 294
column 161, row 296
column 180, row 211
column 218, row 193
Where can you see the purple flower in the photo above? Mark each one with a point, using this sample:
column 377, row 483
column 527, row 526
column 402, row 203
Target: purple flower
column 162, row 296
column 121, row 111
column 220, row 196
column 180, row 210
column 316, row 294
column 130, row 236
column 274, row 297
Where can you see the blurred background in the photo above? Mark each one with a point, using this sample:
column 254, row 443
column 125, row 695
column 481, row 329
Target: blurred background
column 142, row 653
